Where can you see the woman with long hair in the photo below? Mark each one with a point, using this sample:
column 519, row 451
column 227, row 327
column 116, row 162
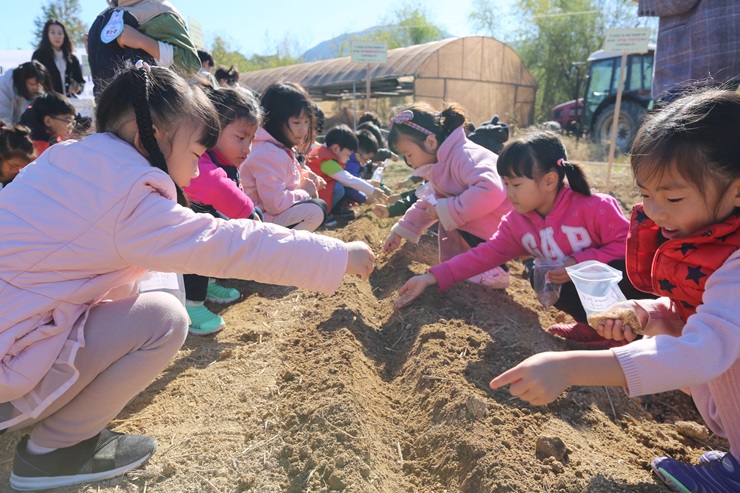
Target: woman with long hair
column 55, row 52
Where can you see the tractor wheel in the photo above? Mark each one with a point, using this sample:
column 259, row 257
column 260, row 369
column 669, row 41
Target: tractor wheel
column 630, row 118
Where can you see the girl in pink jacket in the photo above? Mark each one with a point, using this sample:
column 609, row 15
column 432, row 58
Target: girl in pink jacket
column 464, row 193
column 80, row 227
column 285, row 191
column 217, row 191
column 551, row 220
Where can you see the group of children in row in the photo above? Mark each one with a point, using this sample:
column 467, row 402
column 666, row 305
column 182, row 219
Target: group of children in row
column 71, row 242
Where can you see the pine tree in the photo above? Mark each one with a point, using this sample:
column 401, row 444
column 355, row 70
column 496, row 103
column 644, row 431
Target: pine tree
column 68, row 13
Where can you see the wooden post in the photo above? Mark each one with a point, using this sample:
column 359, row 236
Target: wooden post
column 367, row 88
column 354, row 102
column 615, row 121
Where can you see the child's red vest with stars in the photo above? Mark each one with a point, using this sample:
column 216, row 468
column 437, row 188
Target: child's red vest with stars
column 678, row 268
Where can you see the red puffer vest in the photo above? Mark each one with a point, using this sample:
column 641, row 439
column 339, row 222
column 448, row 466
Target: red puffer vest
column 314, row 160
column 678, row 268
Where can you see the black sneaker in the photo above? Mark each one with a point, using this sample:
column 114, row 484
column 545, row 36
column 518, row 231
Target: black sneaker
column 343, row 213
column 329, row 222
column 106, row 455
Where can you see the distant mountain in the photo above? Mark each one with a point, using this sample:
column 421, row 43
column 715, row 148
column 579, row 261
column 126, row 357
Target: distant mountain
column 340, row 46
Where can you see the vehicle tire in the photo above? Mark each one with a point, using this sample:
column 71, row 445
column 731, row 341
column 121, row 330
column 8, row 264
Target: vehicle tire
column 630, row 118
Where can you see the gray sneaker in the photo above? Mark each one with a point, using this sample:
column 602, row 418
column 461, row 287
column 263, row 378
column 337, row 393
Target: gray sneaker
column 104, row 456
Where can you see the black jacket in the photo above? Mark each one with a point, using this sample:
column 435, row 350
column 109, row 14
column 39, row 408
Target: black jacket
column 73, row 72
column 106, row 59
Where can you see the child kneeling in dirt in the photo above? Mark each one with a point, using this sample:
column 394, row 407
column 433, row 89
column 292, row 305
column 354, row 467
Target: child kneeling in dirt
column 551, row 220
column 329, row 160
column 94, row 216
column 684, row 246
column 465, row 194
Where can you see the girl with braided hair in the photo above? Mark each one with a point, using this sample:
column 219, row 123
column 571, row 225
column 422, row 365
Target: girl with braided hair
column 467, row 197
column 80, row 226
column 552, row 220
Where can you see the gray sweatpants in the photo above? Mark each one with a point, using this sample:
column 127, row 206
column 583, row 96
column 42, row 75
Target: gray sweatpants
column 128, row 342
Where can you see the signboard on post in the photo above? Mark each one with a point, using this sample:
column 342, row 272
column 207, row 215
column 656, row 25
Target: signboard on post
column 631, row 40
column 196, row 33
column 624, row 42
column 369, row 52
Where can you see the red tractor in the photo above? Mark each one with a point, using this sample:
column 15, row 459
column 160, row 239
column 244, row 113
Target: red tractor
column 593, row 114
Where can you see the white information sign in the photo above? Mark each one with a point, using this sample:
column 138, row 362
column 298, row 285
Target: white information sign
column 629, row 40
column 369, row 51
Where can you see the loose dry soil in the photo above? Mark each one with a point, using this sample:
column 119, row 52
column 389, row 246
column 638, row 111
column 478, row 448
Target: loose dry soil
column 307, row 392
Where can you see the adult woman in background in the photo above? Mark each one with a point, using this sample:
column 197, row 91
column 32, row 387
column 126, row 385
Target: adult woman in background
column 55, row 52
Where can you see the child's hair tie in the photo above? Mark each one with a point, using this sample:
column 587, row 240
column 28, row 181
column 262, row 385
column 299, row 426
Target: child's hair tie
column 141, row 64
column 563, row 163
column 404, row 118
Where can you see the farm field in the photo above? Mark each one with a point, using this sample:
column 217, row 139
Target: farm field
column 304, row 392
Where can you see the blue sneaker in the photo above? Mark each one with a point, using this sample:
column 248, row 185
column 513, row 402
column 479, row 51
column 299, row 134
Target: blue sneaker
column 714, row 476
column 711, row 456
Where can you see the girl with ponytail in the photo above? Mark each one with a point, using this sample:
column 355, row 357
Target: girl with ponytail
column 464, row 193
column 552, row 220
column 80, row 227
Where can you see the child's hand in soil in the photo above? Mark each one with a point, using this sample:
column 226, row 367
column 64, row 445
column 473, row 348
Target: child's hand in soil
column 413, row 288
column 538, row 380
column 380, row 195
column 381, row 211
column 360, row 259
column 391, row 243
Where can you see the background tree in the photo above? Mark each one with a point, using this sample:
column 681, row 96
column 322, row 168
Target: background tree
column 484, row 19
column 68, row 13
column 409, row 25
column 553, row 34
column 285, row 53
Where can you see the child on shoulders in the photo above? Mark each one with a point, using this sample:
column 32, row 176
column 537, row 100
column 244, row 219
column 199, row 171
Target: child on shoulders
column 683, row 246
column 149, row 30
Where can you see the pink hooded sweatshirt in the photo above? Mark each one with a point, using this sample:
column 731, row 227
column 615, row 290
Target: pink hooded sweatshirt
column 271, row 176
column 578, row 226
column 94, row 215
column 470, row 196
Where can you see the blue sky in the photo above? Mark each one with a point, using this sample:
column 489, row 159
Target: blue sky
column 255, row 26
